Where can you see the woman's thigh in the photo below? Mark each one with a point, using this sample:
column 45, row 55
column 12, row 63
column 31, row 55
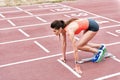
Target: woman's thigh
column 86, row 38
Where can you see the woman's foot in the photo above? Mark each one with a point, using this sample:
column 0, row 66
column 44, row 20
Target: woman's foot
column 103, row 48
column 102, row 53
column 97, row 56
column 63, row 59
column 77, row 69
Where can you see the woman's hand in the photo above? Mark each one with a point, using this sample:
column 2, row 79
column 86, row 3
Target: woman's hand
column 77, row 68
column 63, row 59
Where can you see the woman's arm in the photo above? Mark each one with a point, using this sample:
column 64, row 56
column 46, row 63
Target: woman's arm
column 77, row 66
column 64, row 46
column 71, row 36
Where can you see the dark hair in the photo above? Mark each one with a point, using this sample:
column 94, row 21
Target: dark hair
column 71, row 20
column 57, row 24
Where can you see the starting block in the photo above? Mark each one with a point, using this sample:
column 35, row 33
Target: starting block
column 107, row 55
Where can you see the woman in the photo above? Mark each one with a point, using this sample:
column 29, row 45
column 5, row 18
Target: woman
column 74, row 27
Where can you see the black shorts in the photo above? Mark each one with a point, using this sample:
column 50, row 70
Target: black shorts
column 93, row 25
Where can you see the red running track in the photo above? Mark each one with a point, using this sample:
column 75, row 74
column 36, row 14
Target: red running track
column 29, row 50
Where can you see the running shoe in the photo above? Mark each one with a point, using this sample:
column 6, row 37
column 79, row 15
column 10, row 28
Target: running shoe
column 103, row 48
column 97, row 56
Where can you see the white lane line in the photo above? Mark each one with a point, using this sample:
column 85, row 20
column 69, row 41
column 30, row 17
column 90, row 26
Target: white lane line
column 52, row 10
column 11, row 22
column 24, row 11
column 116, row 59
column 90, row 13
column 38, row 25
column 40, row 8
column 108, row 76
column 61, row 9
column 110, row 26
column 69, row 68
column 117, row 31
column 15, row 41
column 31, row 60
column 40, row 15
column 101, row 22
column 41, row 46
column 24, row 33
column 2, row 16
column 19, row 9
column 111, row 44
column 28, row 13
column 67, row 16
column 43, row 20
column 75, row 11
column 92, row 17
column 112, row 34
column 49, row 23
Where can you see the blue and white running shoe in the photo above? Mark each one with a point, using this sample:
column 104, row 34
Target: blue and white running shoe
column 103, row 48
column 97, row 56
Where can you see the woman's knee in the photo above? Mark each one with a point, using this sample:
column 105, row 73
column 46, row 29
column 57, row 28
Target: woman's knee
column 80, row 46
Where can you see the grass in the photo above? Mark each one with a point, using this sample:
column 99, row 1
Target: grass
column 27, row 2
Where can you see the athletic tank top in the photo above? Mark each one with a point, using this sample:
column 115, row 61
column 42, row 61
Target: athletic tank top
column 83, row 25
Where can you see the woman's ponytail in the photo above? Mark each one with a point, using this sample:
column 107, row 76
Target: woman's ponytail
column 62, row 24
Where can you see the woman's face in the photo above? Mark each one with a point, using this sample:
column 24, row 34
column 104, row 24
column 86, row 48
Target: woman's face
column 57, row 31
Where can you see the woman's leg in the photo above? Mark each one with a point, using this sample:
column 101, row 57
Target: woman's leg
column 83, row 43
column 94, row 45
